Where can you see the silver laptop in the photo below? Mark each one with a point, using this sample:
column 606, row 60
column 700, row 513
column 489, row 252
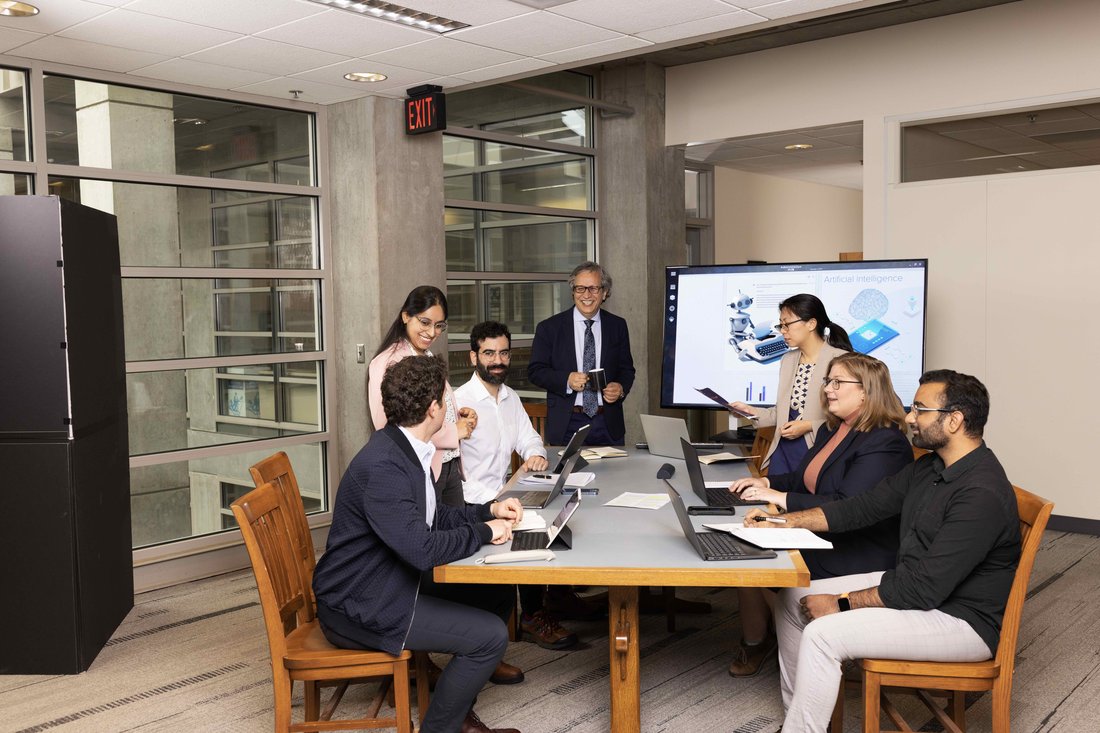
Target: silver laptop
column 572, row 448
column 541, row 498
column 663, row 435
column 713, row 545
column 537, row 539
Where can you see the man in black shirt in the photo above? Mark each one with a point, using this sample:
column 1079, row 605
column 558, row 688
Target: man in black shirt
column 960, row 544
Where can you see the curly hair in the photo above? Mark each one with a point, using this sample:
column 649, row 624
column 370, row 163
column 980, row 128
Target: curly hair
column 409, row 386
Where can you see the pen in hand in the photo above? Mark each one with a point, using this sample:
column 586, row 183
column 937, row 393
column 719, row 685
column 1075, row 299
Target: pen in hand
column 773, row 520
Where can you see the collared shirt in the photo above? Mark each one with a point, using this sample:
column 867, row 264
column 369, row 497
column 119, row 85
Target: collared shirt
column 578, row 343
column 960, row 537
column 502, row 427
column 424, row 451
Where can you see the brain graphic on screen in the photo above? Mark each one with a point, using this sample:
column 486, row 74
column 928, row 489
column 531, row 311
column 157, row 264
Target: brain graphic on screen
column 868, row 305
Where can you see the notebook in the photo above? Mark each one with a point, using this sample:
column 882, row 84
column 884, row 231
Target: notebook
column 711, row 493
column 713, row 545
column 540, row 498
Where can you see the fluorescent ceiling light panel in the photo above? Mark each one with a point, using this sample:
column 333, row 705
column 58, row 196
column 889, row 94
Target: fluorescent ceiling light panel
column 396, row 14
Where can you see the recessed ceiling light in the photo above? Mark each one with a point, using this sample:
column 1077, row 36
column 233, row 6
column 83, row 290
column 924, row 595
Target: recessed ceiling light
column 396, row 13
column 798, row 146
column 365, row 76
column 17, row 9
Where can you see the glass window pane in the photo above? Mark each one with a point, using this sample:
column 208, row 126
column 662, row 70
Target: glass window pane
column 189, row 408
column 15, row 184
column 519, row 304
column 515, row 242
column 14, row 144
column 99, row 125
column 183, row 499
column 691, row 194
column 526, row 113
column 198, row 227
column 174, row 318
column 517, row 175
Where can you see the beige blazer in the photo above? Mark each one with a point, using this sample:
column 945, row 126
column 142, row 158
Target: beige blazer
column 814, row 412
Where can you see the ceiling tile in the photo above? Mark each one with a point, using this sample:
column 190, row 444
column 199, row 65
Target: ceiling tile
column 186, row 71
column 788, row 8
column 474, row 13
column 707, row 26
column 147, row 33
column 503, row 70
column 56, row 15
column 535, row 34
column 11, row 38
column 91, row 55
column 312, row 91
column 443, row 56
column 239, row 16
column 631, row 16
column 596, row 50
column 271, row 57
column 347, row 33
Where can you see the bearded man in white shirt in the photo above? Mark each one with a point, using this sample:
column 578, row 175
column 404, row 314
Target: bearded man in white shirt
column 503, row 428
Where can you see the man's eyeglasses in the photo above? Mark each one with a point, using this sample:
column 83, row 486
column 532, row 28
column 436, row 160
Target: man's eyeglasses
column 591, row 289
column 781, row 326
column 427, row 323
column 920, row 408
column 505, row 354
column 834, row 384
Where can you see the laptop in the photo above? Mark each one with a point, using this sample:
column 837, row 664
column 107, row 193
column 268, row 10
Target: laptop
column 572, row 448
column 537, row 539
column 711, row 493
column 663, row 435
column 713, row 545
column 541, row 498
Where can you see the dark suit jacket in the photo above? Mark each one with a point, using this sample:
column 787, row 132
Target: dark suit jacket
column 858, row 464
column 379, row 543
column 554, row 356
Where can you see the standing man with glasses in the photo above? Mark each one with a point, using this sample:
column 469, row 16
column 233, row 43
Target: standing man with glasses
column 959, row 548
column 568, row 347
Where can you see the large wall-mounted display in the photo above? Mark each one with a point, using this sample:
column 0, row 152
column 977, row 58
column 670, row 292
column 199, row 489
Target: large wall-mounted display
column 720, row 323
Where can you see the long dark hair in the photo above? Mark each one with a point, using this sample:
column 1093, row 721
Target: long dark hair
column 807, row 306
column 419, row 299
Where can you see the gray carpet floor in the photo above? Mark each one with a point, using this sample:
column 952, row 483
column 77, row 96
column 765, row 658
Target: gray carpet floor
column 194, row 658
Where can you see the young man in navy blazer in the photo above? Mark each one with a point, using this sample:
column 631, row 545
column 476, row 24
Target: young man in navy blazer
column 562, row 346
column 373, row 583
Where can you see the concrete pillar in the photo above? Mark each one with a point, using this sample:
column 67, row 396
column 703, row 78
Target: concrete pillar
column 386, row 222
column 642, row 229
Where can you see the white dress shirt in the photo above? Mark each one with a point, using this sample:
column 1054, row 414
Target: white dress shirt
column 578, row 344
column 502, row 427
column 424, row 451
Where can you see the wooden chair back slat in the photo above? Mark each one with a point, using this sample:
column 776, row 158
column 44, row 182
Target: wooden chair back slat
column 276, row 469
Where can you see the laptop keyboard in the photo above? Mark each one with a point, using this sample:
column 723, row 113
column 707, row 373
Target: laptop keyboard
column 720, row 546
column 530, row 498
column 723, row 497
column 529, row 540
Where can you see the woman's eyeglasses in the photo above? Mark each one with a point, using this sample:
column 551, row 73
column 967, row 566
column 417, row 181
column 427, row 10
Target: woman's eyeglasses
column 834, row 384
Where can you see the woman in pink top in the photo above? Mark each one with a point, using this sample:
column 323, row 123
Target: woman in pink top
column 422, row 319
column 862, row 442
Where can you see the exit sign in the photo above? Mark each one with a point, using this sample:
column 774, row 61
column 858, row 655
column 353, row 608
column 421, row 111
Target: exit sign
column 425, row 110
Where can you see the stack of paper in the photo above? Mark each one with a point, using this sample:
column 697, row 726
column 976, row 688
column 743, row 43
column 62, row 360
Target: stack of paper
column 725, row 456
column 778, row 538
column 531, row 520
column 604, row 451
column 577, row 478
column 635, row 500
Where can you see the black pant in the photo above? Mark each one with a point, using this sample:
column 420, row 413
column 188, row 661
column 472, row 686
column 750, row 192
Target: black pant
column 476, row 638
column 448, row 487
column 597, row 434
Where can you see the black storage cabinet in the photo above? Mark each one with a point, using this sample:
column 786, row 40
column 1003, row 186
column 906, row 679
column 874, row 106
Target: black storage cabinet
column 66, row 565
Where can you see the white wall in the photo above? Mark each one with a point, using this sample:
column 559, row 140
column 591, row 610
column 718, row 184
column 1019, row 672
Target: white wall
column 1011, row 256
column 776, row 219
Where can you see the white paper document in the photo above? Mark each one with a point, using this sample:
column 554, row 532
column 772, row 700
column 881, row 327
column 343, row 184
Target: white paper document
column 577, row 478
column 635, row 500
column 531, row 520
column 779, row 538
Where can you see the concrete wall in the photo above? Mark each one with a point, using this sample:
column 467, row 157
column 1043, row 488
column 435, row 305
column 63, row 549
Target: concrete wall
column 1008, row 254
column 758, row 217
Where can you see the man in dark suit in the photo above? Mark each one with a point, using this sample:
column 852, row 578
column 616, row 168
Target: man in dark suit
column 567, row 347
column 373, row 582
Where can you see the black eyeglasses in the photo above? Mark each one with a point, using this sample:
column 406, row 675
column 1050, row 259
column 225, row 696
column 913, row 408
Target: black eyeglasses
column 781, row 326
column 834, row 384
column 581, row 289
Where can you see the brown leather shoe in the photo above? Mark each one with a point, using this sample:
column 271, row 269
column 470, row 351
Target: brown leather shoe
column 747, row 659
column 473, row 724
column 547, row 632
column 506, row 674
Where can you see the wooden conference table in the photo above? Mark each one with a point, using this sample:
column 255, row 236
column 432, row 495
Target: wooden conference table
column 625, row 548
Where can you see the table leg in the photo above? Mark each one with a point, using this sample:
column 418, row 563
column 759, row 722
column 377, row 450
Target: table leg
column 624, row 632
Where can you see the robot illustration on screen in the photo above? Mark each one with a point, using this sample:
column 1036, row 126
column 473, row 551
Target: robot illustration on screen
column 760, row 344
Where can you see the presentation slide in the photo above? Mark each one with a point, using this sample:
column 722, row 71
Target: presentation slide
column 720, row 323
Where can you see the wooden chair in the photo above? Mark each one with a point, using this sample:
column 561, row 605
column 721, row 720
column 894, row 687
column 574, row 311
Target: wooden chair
column 299, row 650
column 276, row 469
column 959, row 677
column 918, row 452
column 537, row 412
column 760, row 445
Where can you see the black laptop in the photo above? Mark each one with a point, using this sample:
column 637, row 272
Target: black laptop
column 713, row 545
column 717, row 494
column 541, row 498
column 556, row 535
column 572, row 448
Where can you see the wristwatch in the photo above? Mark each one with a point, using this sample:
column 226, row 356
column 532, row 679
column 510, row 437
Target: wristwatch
column 843, row 602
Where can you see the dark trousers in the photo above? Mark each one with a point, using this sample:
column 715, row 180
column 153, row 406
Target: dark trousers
column 597, row 434
column 476, row 638
column 448, row 487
